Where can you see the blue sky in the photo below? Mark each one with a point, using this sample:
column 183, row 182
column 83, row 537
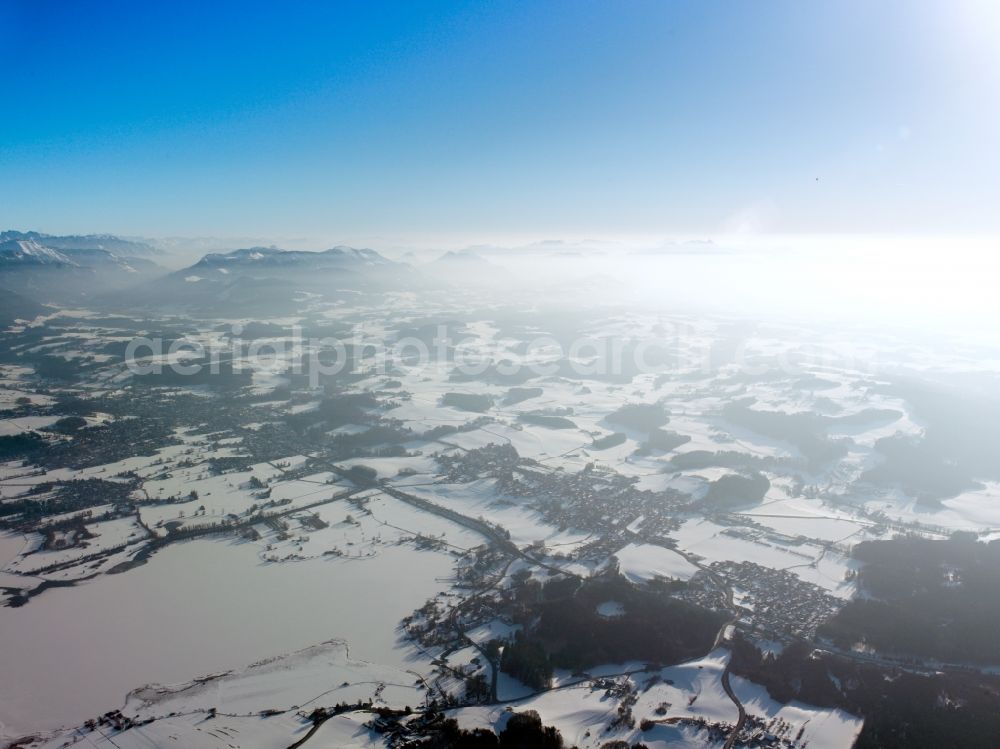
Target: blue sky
column 481, row 119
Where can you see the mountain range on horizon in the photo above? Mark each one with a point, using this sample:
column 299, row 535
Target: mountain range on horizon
column 108, row 271
column 108, row 242
column 115, row 273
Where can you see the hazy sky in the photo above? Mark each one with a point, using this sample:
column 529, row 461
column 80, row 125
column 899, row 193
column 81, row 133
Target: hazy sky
column 480, row 119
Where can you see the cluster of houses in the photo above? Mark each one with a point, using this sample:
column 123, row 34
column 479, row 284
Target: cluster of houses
column 778, row 604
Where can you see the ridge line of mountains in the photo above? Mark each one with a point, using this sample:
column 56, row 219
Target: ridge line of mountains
column 110, row 272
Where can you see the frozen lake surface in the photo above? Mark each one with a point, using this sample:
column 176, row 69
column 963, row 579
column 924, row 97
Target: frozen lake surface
column 196, row 608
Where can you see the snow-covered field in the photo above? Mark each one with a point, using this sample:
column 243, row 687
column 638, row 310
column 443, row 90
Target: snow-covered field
column 479, row 499
column 643, row 562
column 584, row 711
column 811, row 562
column 225, row 710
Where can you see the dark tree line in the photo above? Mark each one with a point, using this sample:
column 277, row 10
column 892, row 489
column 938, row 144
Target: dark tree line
column 901, row 710
column 930, row 598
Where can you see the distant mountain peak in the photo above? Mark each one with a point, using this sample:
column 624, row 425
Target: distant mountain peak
column 108, row 242
column 31, row 252
column 29, row 263
column 341, row 256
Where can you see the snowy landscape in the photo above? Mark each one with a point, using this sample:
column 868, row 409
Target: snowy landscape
column 275, row 549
